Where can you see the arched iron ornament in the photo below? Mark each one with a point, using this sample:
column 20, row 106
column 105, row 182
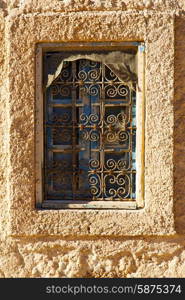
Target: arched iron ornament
column 90, row 135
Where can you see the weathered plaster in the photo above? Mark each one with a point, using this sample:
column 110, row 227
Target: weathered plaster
column 179, row 125
column 28, row 6
column 93, row 243
column 157, row 216
column 4, row 132
column 93, row 258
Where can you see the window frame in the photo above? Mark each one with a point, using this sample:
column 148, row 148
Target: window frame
column 41, row 203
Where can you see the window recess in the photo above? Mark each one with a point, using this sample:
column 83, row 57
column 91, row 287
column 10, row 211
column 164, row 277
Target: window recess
column 89, row 131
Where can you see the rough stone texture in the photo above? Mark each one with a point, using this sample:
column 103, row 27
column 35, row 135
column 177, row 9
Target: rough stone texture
column 27, row 30
column 93, row 243
column 4, row 132
column 157, row 257
column 28, row 6
column 179, row 125
column 2, row 109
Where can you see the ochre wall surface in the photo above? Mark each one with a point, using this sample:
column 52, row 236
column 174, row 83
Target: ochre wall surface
column 146, row 243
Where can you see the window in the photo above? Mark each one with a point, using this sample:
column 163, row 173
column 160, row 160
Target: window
column 89, row 130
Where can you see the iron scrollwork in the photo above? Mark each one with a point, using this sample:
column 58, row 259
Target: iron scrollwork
column 92, row 124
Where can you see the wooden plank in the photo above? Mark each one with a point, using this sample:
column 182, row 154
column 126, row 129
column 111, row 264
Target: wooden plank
column 140, row 123
column 89, row 204
column 39, row 157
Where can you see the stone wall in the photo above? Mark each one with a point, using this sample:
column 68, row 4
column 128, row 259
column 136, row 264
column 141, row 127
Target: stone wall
column 149, row 243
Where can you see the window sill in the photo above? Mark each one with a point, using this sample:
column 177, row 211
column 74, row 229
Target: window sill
column 89, row 205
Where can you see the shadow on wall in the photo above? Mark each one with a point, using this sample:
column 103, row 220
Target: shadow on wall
column 179, row 125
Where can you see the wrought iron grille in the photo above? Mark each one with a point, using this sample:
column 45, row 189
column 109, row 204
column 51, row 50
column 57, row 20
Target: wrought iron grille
column 90, row 135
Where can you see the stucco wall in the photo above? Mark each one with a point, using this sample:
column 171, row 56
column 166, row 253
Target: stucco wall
column 149, row 243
